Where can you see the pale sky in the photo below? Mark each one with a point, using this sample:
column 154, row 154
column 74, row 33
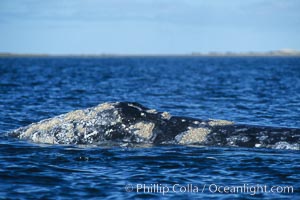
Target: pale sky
column 148, row 26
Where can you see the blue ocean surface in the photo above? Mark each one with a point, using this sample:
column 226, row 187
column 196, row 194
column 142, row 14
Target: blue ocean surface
column 249, row 90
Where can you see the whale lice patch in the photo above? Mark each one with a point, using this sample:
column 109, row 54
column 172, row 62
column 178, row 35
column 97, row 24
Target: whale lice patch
column 216, row 122
column 192, row 136
column 142, row 129
column 104, row 106
column 43, row 126
column 74, row 115
column 166, row 115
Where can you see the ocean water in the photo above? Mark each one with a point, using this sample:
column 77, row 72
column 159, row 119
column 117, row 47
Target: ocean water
column 249, row 90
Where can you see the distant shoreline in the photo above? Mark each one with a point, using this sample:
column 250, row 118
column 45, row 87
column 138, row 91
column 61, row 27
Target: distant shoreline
column 211, row 54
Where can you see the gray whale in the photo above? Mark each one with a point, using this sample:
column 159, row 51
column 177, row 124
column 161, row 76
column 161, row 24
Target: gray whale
column 128, row 122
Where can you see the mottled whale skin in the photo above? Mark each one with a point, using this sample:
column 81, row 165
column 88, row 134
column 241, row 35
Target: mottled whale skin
column 128, row 122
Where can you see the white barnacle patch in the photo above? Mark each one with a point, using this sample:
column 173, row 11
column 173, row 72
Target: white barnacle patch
column 118, row 118
column 192, row 136
column 151, row 111
column 134, row 106
column 215, row 122
column 69, row 130
column 166, row 115
column 44, row 138
column 285, row 145
column 142, row 129
column 90, row 134
column 116, row 112
column 258, row 145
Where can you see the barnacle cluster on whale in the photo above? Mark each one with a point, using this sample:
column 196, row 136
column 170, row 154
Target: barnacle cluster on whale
column 135, row 123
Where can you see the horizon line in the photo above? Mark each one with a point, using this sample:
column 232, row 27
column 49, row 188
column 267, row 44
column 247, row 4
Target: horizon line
column 283, row 52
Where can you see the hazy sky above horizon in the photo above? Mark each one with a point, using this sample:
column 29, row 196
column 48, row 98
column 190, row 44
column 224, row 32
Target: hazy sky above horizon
column 148, row 26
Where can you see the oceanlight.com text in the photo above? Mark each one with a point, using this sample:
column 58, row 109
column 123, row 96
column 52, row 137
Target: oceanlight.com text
column 251, row 189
